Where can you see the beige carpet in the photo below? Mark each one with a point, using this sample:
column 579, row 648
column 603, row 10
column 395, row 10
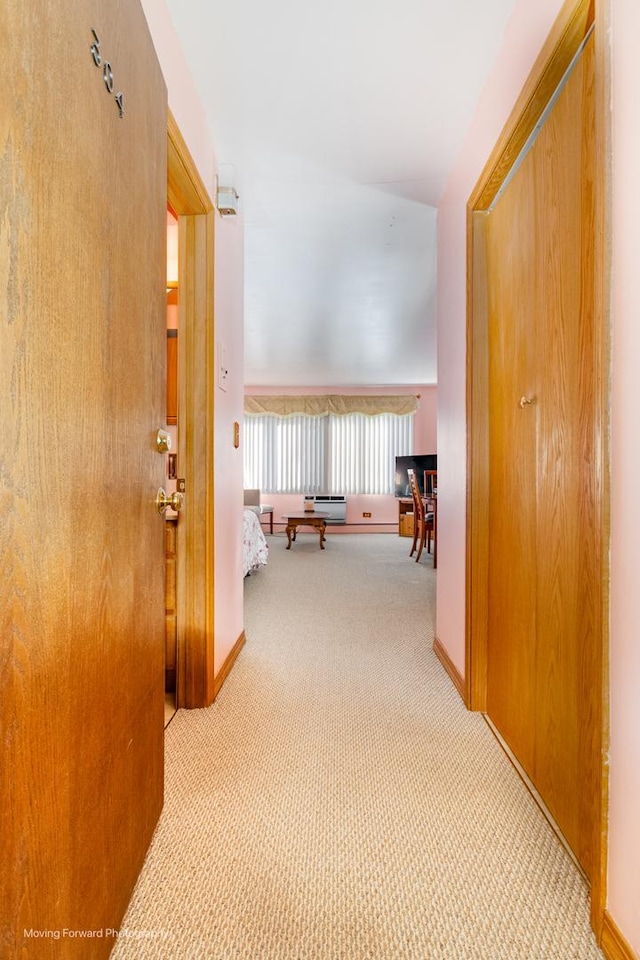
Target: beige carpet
column 337, row 802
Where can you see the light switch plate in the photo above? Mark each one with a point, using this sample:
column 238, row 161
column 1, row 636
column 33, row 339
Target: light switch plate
column 223, row 372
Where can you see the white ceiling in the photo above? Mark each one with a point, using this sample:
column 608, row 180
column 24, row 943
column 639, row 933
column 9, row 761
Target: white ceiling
column 341, row 121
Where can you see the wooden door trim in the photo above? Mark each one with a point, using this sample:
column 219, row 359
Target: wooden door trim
column 602, row 428
column 569, row 30
column 186, row 192
column 190, row 201
column 572, row 25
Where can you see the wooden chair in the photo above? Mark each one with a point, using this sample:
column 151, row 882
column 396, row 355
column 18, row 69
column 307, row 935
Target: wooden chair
column 422, row 521
column 431, row 506
column 430, row 483
column 252, row 500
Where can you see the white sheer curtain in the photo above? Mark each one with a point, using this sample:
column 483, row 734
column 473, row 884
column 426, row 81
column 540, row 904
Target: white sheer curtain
column 363, row 451
column 331, row 454
column 285, row 454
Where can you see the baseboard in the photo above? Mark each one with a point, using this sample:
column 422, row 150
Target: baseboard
column 614, row 946
column 448, row 664
column 225, row 669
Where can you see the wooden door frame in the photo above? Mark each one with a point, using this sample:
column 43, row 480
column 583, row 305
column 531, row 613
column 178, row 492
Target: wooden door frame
column 573, row 23
column 190, row 201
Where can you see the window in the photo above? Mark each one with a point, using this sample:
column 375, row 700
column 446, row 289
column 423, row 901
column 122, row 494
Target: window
column 328, row 454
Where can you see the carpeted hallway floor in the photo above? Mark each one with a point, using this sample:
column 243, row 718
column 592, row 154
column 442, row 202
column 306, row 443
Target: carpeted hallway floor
column 337, row 802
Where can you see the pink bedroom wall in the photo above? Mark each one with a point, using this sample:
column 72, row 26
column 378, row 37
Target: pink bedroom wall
column 624, row 785
column 229, row 406
column 527, row 30
column 383, row 509
column 228, row 319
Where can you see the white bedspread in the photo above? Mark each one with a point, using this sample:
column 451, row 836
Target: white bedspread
column 254, row 545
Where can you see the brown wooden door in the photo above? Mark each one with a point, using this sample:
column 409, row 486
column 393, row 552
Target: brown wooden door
column 82, row 360
column 512, row 456
column 542, row 558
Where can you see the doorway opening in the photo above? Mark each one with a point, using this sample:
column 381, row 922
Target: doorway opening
column 189, row 201
column 171, row 518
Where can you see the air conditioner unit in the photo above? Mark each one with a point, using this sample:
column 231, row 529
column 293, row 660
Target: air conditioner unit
column 335, row 506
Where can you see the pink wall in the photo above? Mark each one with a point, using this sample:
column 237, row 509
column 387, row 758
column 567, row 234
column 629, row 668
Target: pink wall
column 525, row 35
column 184, row 102
column 624, row 826
column 229, row 407
column 383, row 510
column 229, row 263
column 528, row 28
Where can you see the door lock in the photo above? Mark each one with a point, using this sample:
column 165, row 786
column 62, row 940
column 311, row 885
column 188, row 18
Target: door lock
column 163, row 441
column 174, row 500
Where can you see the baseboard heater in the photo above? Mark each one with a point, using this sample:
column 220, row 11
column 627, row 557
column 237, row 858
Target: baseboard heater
column 336, row 506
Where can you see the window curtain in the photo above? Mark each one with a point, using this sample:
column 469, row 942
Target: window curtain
column 363, row 451
column 334, row 454
column 285, row 455
column 324, row 405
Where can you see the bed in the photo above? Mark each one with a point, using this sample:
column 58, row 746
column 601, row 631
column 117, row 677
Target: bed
column 254, row 545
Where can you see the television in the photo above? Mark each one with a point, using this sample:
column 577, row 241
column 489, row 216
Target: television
column 419, row 462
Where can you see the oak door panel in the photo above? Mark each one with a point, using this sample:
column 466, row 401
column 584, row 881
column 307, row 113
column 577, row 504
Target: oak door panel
column 542, row 558
column 82, row 360
column 512, row 458
column 566, row 554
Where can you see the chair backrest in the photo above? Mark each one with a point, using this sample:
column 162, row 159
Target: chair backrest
column 430, row 482
column 418, row 505
column 252, row 498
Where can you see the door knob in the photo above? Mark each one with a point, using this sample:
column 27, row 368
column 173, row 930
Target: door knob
column 174, row 500
column 163, row 441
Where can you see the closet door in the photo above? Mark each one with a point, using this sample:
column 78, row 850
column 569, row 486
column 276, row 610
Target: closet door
column 542, row 577
column 512, row 451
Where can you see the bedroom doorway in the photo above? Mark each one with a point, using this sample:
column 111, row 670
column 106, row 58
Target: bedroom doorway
column 171, row 517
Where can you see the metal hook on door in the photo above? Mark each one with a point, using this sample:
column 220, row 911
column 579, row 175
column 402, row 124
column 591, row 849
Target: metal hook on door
column 524, row 402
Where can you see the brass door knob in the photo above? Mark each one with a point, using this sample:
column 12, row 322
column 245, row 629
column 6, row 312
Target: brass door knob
column 163, row 441
column 163, row 501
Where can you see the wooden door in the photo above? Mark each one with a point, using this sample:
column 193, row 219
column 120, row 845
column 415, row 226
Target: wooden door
column 82, row 361
column 512, row 457
column 543, row 584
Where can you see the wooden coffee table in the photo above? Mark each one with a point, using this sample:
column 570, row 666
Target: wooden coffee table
column 306, row 518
